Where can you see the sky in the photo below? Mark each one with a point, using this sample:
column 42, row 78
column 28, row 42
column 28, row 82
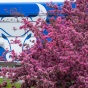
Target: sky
column 7, row 1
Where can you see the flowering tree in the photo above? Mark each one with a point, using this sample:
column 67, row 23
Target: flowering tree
column 61, row 62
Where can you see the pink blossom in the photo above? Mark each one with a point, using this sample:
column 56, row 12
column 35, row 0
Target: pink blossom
column 62, row 62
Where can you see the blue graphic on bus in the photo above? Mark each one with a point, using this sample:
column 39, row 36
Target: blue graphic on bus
column 11, row 15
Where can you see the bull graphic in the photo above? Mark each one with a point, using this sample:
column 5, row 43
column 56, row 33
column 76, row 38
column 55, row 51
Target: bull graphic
column 7, row 33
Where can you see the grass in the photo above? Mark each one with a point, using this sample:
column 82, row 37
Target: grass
column 9, row 85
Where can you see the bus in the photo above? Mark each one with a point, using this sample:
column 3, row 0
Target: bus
column 11, row 15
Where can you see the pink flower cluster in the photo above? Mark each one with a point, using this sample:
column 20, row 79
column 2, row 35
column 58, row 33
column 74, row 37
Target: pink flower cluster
column 63, row 61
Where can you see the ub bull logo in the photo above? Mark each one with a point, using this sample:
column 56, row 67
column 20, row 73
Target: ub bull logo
column 7, row 23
